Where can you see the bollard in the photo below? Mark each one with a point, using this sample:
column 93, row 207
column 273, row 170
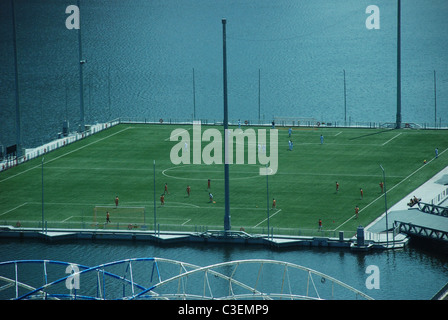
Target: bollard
column 360, row 236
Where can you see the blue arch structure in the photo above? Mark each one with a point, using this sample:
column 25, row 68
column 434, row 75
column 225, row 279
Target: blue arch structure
column 159, row 278
column 83, row 269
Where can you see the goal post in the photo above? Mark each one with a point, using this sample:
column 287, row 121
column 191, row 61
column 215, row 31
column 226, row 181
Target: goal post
column 296, row 122
column 122, row 215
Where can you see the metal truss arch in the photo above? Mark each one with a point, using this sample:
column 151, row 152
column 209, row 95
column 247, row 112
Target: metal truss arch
column 164, row 279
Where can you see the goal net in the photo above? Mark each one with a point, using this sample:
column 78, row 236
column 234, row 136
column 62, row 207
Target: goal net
column 119, row 216
column 296, row 122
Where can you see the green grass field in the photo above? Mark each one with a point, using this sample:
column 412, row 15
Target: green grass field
column 119, row 162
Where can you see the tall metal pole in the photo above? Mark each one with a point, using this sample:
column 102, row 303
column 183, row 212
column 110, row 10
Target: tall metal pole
column 43, row 216
column 259, row 95
column 385, row 204
column 66, row 102
column 194, row 97
column 155, row 218
column 435, row 101
column 16, row 70
column 108, row 93
column 81, row 78
column 345, row 102
column 227, row 224
column 398, row 122
column 267, row 196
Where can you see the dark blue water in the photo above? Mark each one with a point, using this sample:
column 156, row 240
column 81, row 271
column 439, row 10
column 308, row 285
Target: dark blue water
column 141, row 55
column 415, row 272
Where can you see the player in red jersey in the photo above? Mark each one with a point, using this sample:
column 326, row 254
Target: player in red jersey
column 166, row 189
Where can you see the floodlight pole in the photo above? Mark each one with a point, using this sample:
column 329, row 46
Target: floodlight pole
column 398, row 121
column 435, row 101
column 194, row 97
column 81, row 77
column 43, row 217
column 108, row 93
column 267, row 196
column 155, row 216
column 345, row 102
column 16, row 70
column 227, row 224
column 385, row 204
column 259, row 95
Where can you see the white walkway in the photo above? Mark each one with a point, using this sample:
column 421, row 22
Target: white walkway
column 434, row 191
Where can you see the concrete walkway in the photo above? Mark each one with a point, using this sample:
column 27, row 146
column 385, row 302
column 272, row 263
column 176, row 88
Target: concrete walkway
column 433, row 191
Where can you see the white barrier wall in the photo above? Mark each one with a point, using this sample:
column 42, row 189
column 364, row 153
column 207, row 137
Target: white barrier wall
column 441, row 197
column 29, row 154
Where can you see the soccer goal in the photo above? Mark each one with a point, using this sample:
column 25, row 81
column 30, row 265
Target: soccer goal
column 296, row 122
column 119, row 215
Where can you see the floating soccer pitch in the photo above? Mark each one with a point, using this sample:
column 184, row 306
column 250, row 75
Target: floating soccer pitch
column 64, row 188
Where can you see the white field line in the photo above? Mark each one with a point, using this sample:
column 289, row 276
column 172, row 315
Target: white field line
column 405, row 179
column 23, row 204
column 65, row 154
column 186, row 222
column 122, row 206
column 338, row 144
column 220, row 171
column 391, row 139
column 267, row 218
column 169, row 204
column 169, row 138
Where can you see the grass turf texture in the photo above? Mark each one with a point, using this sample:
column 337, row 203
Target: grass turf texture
column 119, row 162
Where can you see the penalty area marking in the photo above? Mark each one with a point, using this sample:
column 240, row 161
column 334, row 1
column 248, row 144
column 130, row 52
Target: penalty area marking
column 122, row 206
column 181, row 205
